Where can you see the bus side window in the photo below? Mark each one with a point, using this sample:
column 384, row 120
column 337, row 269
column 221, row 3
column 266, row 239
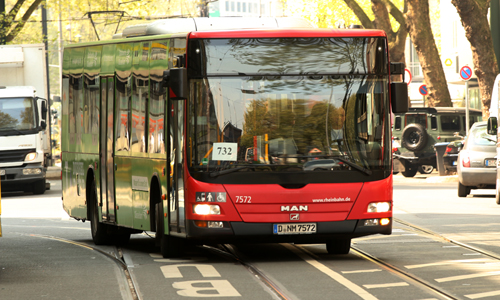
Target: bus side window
column 434, row 124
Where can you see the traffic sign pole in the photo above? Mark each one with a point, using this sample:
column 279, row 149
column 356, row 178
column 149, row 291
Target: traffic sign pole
column 466, row 74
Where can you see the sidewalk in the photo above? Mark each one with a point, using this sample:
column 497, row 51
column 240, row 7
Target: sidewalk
column 54, row 172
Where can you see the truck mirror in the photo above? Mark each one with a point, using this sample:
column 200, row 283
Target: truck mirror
column 399, row 97
column 176, row 82
column 492, row 126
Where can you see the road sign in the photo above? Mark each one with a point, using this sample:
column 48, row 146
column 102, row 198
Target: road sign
column 448, row 62
column 423, row 90
column 465, row 73
column 408, row 76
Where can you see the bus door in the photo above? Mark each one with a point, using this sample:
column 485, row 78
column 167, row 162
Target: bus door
column 176, row 190
column 106, row 150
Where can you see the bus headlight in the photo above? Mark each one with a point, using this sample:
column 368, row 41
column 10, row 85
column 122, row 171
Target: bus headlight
column 206, row 209
column 379, row 207
column 30, row 157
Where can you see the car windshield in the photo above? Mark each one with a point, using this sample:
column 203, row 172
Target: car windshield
column 16, row 114
column 479, row 137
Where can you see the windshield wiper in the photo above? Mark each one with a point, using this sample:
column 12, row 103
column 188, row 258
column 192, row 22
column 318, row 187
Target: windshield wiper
column 228, row 171
column 11, row 129
column 353, row 165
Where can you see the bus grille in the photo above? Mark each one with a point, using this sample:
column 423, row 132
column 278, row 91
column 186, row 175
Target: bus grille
column 14, row 155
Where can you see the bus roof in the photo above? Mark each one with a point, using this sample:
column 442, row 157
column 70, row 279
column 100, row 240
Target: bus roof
column 289, row 33
column 179, row 25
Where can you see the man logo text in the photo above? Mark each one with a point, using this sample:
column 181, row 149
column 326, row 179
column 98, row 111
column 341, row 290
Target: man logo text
column 295, row 208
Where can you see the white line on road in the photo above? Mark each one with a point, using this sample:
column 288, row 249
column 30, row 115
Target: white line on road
column 334, row 275
column 361, row 271
column 385, row 285
column 483, row 295
column 462, row 277
column 448, row 262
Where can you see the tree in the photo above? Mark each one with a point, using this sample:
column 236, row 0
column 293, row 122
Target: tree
column 419, row 26
column 11, row 24
column 474, row 17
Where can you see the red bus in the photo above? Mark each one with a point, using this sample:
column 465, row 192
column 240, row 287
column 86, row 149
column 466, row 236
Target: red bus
column 272, row 131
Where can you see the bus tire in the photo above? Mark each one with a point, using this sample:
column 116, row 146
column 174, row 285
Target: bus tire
column 39, row 187
column 100, row 234
column 169, row 246
column 338, row 246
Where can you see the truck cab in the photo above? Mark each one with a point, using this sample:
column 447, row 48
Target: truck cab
column 23, row 140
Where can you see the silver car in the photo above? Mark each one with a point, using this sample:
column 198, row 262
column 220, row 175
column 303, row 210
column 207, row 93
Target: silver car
column 476, row 163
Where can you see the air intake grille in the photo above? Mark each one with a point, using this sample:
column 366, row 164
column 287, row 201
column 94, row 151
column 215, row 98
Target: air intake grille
column 14, row 155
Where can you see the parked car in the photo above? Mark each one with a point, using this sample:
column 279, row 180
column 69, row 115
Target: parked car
column 450, row 156
column 420, row 128
column 476, row 164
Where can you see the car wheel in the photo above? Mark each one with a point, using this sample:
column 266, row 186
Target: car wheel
column 425, row 169
column 414, row 137
column 463, row 190
column 339, row 246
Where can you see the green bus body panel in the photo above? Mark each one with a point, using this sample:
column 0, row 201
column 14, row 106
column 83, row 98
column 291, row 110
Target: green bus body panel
column 108, row 60
column 146, row 58
column 74, row 175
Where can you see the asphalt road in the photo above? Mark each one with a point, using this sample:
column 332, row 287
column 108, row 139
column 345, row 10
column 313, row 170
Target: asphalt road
column 44, row 254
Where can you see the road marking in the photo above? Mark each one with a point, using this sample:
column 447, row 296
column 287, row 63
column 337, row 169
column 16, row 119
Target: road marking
column 173, row 271
column 385, row 285
column 361, row 271
column 332, row 274
column 483, row 295
column 448, row 262
column 462, row 277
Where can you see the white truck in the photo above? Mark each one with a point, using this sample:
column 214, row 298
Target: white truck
column 24, row 132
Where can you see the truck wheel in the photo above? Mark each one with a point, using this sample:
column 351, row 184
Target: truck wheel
column 169, row 246
column 463, row 190
column 338, row 246
column 414, row 137
column 497, row 195
column 39, row 187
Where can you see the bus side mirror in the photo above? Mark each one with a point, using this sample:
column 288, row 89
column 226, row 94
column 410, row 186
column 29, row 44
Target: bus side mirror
column 176, row 82
column 492, row 125
column 399, row 97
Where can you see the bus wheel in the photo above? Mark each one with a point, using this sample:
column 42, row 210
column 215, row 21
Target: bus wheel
column 169, row 246
column 339, row 246
column 100, row 234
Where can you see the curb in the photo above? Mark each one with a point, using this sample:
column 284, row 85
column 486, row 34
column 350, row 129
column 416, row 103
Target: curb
column 441, row 179
column 53, row 173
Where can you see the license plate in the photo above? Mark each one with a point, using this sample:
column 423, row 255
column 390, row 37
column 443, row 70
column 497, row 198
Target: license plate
column 294, row 228
column 491, row 162
column 454, row 163
column 2, row 172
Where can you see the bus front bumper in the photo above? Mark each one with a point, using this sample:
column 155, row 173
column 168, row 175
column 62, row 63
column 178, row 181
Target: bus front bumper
column 263, row 232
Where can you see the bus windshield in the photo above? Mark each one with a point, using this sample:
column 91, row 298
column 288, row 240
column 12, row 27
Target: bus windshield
column 275, row 122
column 16, row 114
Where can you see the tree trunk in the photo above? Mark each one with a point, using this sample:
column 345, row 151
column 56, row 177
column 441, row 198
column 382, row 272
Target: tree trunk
column 419, row 26
column 473, row 15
